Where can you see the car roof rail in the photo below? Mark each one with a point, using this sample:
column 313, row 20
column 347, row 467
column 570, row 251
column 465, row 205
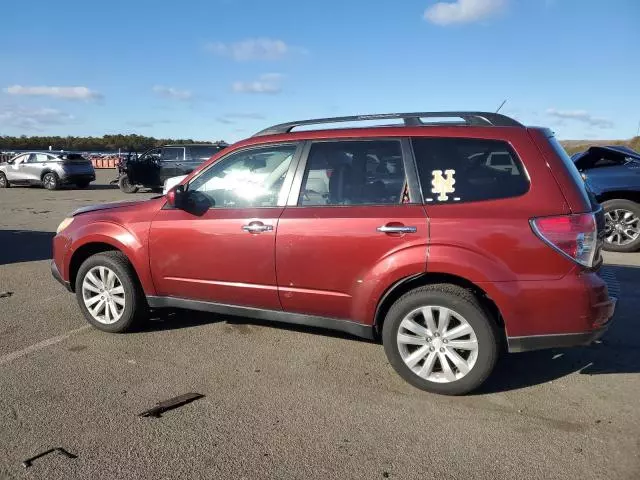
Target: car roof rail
column 414, row 119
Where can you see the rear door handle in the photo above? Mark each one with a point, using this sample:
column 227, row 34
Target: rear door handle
column 257, row 227
column 396, row 229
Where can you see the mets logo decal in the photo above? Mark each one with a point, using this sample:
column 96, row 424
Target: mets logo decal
column 443, row 184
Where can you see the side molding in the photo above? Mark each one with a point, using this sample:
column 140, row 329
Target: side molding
column 347, row 326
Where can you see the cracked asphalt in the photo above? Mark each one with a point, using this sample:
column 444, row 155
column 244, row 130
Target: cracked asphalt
column 284, row 402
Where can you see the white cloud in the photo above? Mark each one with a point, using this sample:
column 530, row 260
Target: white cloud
column 68, row 93
column 174, row 93
column 254, row 49
column 32, row 118
column 580, row 116
column 269, row 83
column 463, row 11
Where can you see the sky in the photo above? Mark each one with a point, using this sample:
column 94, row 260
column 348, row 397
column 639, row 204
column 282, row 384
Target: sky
column 224, row 69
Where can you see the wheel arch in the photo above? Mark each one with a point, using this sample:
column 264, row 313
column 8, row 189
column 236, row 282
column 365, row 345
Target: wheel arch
column 45, row 171
column 399, row 288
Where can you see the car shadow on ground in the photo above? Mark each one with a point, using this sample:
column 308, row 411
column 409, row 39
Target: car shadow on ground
column 24, row 246
column 617, row 352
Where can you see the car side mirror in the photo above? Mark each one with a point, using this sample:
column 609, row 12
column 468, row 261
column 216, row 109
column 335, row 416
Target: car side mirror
column 176, row 197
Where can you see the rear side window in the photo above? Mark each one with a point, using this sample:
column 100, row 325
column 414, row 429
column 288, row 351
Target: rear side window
column 367, row 172
column 458, row 170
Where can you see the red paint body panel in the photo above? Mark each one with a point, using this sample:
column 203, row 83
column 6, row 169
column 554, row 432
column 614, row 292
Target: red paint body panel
column 332, row 262
column 211, row 258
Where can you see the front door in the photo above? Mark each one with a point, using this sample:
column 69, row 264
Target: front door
column 352, row 229
column 225, row 252
column 16, row 172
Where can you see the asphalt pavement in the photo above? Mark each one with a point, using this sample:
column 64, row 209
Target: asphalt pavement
column 280, row 401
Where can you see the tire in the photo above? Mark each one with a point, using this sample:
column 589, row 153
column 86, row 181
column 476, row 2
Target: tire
column 82, row 185
column 50, row 181
column 463, row 305
column 4, row 183
column 127, row 316
column 624, row 213
column 125, row 185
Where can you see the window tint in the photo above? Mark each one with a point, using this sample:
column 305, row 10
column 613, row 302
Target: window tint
column 454, row 170
column 249, row 178
column 40, row 157
column 354, row 173
column 203, row 152
column 172, row 154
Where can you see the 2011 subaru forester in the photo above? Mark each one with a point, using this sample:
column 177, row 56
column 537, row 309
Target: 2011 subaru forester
column 444, row 238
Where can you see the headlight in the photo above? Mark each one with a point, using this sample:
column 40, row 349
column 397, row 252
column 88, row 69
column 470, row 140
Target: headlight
column 64, row 224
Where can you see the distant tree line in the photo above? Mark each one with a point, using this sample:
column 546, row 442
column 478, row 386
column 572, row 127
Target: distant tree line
column 106, row 143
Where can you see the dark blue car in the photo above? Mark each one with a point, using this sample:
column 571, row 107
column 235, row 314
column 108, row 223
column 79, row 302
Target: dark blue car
column 613, row 175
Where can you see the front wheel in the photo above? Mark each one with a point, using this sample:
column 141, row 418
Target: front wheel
column 4, row 183
column 109, row 294
column 439, row 339
column 622, row 228
column 125, row 184
column 50, row 181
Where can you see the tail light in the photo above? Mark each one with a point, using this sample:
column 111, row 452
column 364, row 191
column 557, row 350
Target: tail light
column 574, row 236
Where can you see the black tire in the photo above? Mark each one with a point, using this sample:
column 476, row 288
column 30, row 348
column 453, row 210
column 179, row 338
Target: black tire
column 463, row 303
column 136, row 308
column 609, row 206
column 125, row 185
column 50, row 181
column 82, row 185
column 4, row 183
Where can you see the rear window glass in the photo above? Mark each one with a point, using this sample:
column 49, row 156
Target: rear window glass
column 458, row 170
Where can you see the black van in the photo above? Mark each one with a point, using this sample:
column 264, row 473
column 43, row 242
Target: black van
column 154, row 166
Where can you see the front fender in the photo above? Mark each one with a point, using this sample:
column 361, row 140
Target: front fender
column 131, row 243
column 389, row 270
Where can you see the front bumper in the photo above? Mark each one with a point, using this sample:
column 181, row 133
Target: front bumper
column 601, row 313
column 56, row 274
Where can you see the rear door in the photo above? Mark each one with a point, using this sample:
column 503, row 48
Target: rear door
column 34, row 167
column 350, row 215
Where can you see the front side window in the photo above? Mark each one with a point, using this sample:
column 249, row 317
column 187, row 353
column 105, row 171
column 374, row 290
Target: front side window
column 21, row 159
column 456, row 170
column 151, row 155
column 353, row 172
column 245, row 179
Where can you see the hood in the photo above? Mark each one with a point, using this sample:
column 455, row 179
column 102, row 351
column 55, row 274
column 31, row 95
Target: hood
column 105, row 206
column 618, row 150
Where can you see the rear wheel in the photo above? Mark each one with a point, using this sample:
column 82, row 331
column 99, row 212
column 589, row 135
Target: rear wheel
column 109, row 294
column 622, row 230
column 125, row 184
column 4, row 183
column 50, row 181
column 439, row 339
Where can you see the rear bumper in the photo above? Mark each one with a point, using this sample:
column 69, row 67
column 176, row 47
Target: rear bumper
column 74, row 178
column 56, row 274
column 602, row 292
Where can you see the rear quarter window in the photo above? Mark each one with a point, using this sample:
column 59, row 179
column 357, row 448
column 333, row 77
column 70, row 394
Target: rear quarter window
column 459, row 170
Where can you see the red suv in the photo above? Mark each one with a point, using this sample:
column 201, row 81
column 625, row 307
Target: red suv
column 445, row 238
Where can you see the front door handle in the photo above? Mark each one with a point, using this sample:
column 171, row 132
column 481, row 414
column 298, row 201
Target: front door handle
column 396, row 229
column 257, row 227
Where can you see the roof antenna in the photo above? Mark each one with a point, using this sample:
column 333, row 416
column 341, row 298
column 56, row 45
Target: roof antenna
column 501, row 105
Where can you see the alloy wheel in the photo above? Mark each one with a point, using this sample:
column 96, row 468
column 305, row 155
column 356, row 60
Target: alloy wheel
column 622, row 227
column 103, row 295
column 437, row 344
